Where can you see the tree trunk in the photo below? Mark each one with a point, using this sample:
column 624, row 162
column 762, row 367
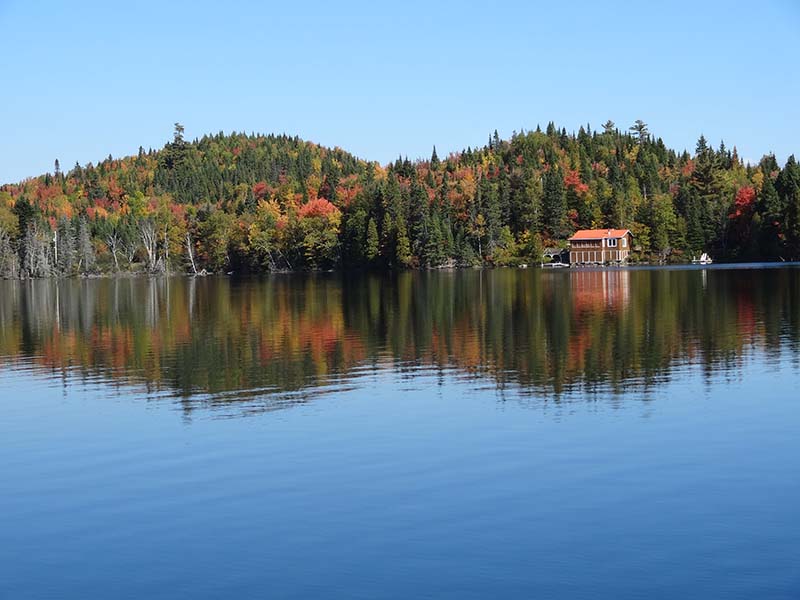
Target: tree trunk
column 190, row 252
column 149, row 237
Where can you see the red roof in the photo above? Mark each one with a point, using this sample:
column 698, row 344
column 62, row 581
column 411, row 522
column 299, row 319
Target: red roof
column 599, row 234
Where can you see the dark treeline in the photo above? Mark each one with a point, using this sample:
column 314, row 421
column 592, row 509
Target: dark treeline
column 250, row 203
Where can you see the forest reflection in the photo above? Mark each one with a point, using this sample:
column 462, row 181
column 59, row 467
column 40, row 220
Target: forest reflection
column 547, row 332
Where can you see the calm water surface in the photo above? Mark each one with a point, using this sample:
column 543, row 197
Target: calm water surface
column 495, row 434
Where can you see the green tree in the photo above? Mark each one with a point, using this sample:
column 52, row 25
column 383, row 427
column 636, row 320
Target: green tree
column 771, row 211
column 403, row 257
column 434, row 159
column 663, row 223
column 788, row 187
column 216, row 240
column 532, row 246
column 640, row 131
column 373, row 242
column 554, row 203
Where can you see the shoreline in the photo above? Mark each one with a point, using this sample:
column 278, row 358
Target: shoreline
column 630, row 266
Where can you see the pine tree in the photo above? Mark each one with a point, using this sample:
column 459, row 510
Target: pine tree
column 702, row 146
column 373, row 243
column 434, row 249
column 771, row 211
column 695, row 232
column 640, row 131
column 434, row 159
column 389, row 240
column 403, row 247
column 788, row 187
column 485, row 201
column 354, row 239
column 419, row 217
column 554, row 203
column 706, row 183
column 488, row 205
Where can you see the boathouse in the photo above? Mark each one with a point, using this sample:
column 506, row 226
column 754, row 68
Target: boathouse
column 600, row 246
column 556, row 256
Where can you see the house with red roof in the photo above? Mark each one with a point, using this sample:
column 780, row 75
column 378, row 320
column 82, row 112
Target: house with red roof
column 600, row 246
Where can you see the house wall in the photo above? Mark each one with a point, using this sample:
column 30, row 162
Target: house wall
column 596, row 251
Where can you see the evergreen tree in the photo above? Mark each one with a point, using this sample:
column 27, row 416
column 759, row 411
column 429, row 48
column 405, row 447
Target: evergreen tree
column 640, row 131
column 389, row 240
column 434, row 159
column 434, row 250
column 705, row 180
column 278, row 202
column 354, row 242
column 554, row 203
column 788, row 187
column 402, row 256
column 373, row 243
column 695, row 231
column 489, row 207
column 771, row 211
column 419, row 217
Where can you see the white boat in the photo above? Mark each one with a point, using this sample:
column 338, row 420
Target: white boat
column 704, row 259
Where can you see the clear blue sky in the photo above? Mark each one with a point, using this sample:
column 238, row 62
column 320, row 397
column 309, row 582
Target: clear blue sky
column 85, row 79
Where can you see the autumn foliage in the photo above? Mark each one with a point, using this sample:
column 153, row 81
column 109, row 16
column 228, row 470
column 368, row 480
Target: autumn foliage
column 253, row 202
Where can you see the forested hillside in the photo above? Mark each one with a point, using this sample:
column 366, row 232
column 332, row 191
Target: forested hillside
column 252, row 203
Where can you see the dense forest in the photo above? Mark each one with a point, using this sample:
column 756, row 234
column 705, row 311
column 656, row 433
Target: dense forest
column 248, row 203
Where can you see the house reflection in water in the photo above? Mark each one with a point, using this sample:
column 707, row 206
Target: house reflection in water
column 600, row 289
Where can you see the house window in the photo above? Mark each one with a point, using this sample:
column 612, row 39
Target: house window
column 612, row 243
column 624, row 242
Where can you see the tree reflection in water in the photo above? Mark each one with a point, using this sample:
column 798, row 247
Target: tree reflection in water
column 548, row 332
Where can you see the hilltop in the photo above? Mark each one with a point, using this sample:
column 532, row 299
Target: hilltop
column 239, row 202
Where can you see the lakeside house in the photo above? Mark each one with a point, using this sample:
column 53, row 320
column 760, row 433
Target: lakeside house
column 600, row 246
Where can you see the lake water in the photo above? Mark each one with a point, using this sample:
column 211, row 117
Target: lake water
column 472, row 434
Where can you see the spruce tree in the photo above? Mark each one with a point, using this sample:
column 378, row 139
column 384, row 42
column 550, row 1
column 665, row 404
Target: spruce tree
column 788, row 187
column 695, row 232
column 388, row 239
column 771, row 211
column 554, row 203
column 373, row 243
column 434, row 159
column 402, row 256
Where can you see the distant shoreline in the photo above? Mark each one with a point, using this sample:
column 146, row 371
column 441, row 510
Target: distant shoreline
column 626, row 267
